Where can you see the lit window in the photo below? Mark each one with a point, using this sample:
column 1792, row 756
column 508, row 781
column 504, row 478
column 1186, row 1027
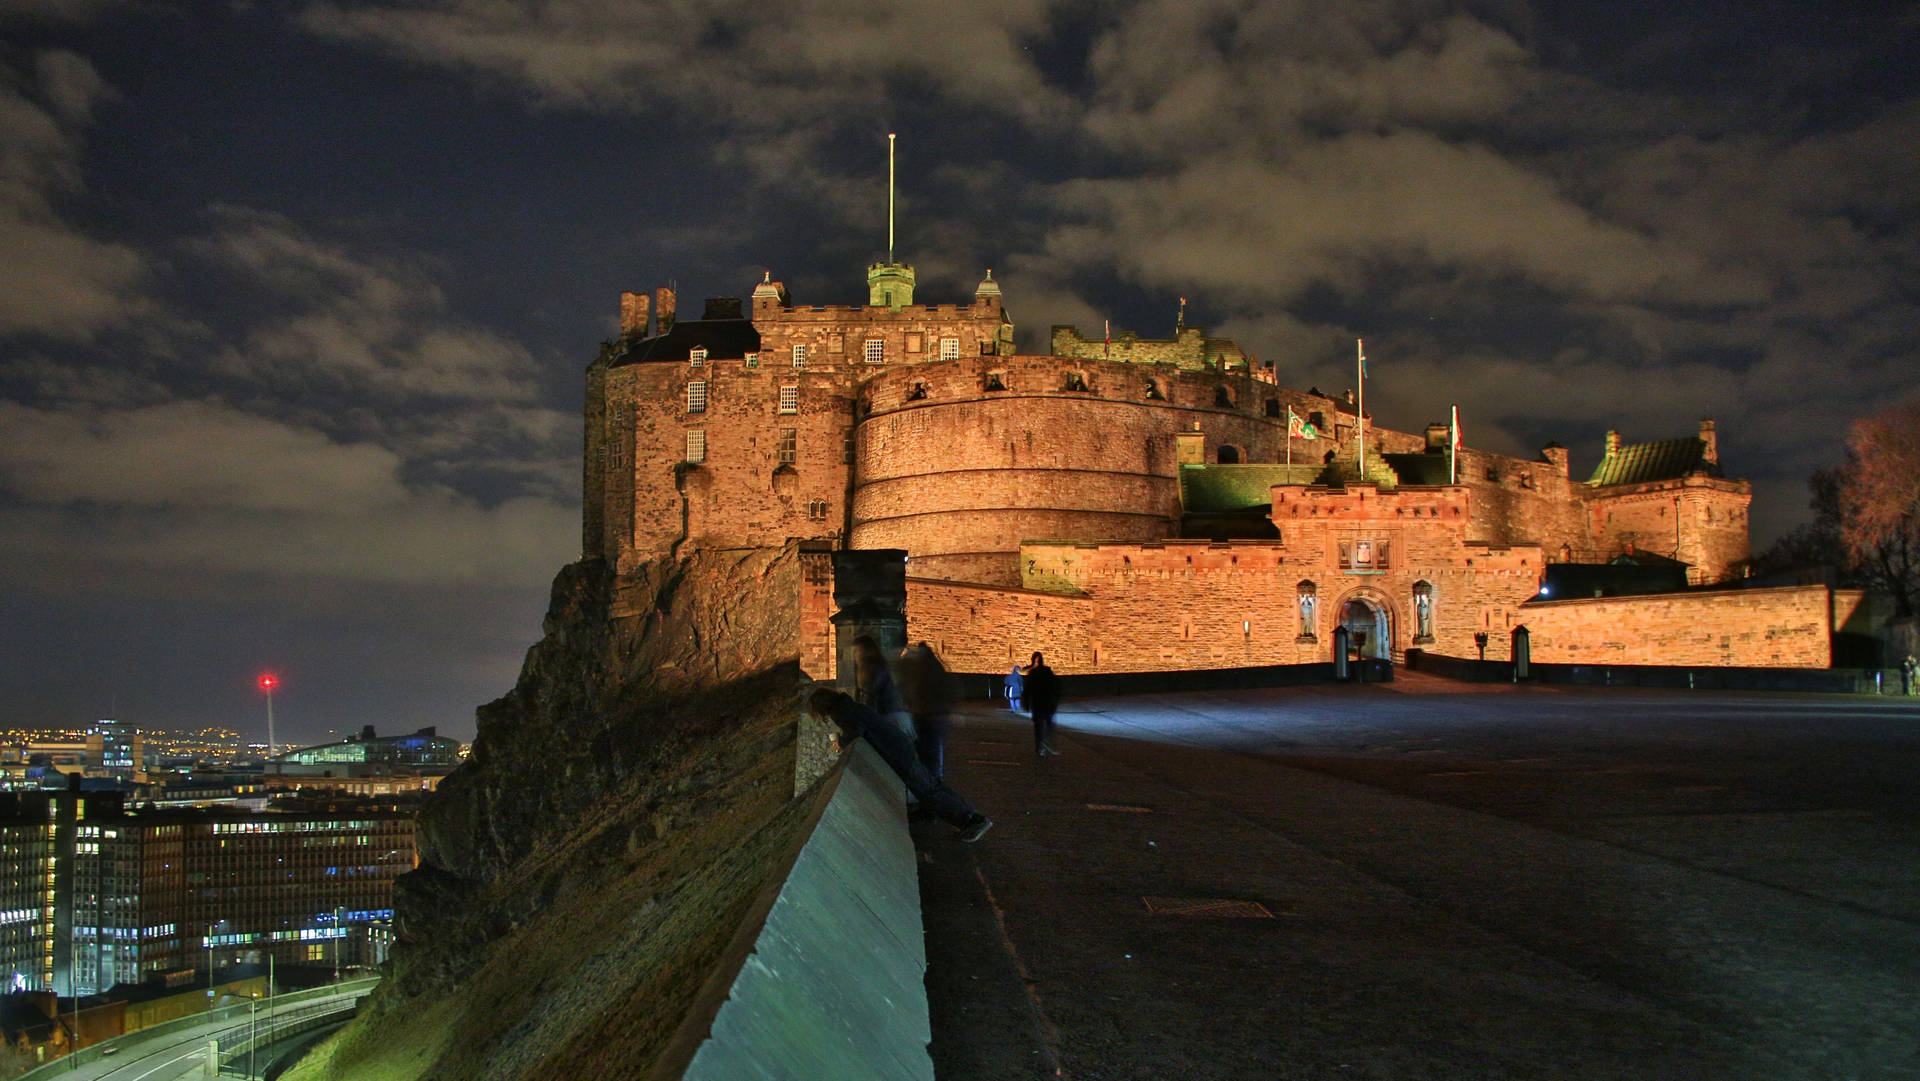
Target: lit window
column 876, row 350
column 696, row 444
column 789, row 445
column 789, row 399
column 949, row 349
column 799, row 356
column 753, row 360
column 697, row 396
column 698, row 356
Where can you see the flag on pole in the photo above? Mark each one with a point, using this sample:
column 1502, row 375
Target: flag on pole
column 1108, row 325
column 1453, row 446
column 1299, row 427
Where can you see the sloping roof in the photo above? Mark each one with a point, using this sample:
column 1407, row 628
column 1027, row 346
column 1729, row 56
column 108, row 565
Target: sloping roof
column 1667, row 459
column 1224, row 489
column 725, row 339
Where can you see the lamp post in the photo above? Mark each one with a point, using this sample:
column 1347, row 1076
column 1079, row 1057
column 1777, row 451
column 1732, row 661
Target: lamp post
column 253, row 1029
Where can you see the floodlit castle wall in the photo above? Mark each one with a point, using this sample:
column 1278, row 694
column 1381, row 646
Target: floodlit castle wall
column 1788, row 627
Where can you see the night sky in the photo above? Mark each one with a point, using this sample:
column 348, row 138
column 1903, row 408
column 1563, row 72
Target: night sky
column 295, row 299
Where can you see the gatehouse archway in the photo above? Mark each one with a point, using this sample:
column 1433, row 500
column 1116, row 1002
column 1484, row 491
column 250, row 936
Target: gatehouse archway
column 1368, row 625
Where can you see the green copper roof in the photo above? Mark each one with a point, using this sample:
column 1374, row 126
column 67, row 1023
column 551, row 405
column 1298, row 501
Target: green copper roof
column 1215, row 489
column 1668, row 459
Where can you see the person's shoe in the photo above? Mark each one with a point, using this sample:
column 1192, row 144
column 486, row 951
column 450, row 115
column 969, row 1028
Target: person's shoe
column 1047, row 748
column 976, row 828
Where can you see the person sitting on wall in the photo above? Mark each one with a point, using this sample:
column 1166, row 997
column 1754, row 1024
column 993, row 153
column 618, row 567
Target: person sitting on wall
column 855, row 721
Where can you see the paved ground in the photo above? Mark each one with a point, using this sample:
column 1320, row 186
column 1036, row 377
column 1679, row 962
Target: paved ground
column 1428, row 880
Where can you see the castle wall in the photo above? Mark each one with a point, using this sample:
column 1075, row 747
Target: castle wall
column 1788, row 627
column 742, row 494
column 836, row 335
column 1700, row 521
column 985, row 629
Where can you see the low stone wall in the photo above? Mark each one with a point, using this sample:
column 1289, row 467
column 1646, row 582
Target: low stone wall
column 1785, row 627
column 1885, row 681
column 834, row 984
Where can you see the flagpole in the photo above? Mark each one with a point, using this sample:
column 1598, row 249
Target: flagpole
column 1453, row 447
column 1360, row 363
column 1289, row 439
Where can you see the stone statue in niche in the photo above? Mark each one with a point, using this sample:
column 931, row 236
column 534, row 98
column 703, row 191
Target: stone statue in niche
column 1423, row 610
column 918, row 393
column 1307, row 603
column 1075, row 382
column 1153, row 391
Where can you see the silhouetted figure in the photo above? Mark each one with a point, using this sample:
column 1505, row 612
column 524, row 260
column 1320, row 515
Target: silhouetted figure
column 873, row 680
column 856, row 721
column 1910, row 674
column 928, row 692
column 1042, row 697
column 1015, row 686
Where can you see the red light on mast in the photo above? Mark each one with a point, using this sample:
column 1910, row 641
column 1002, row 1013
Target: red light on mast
column 268, row 682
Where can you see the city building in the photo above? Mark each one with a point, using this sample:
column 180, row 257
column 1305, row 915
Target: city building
column 116, row 749
column 97, row 896
column 1133, row 504
column 368, row 764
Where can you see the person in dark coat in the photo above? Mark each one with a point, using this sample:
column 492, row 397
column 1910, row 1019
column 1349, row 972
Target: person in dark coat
column 873, row 680
column 856, row 721
column 1015, row 688
column 927, row 690
column 1043, row 697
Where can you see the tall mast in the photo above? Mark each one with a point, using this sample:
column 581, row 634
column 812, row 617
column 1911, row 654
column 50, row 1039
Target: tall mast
column 890, row 137
column 1360, row 406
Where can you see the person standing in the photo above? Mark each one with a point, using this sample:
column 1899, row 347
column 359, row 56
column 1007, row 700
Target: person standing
column 1043, row 697
column 873, row 684
column 856, row 721
column 927, row 690
column 1016, row 688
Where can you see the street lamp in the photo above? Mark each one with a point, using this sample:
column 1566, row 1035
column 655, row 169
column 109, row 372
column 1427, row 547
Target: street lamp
column 253, row 1029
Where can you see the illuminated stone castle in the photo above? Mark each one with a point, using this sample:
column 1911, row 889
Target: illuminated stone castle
column 1137, row 504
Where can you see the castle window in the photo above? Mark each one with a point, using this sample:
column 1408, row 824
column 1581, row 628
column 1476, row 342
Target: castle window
column 846, row 450
column 1229, row 455
column 789, row 445
column 996, row 381
column 753, row 360
column 949, row 349
column 1222, row 398
column 1273, row 407
column 799, row 356
column 1075, row 382
column 876, row 350
column 696, row 445
column 817, row 509
column 914, row 342
column 1153, row 391
column 789, row 399
column 697, row 396
column 698, row 356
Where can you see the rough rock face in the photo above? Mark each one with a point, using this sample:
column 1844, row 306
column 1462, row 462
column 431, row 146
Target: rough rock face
column 624, row 805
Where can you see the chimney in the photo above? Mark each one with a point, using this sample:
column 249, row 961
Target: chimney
column 1556, row 454
column 663, row 308
column 634, row 310
column 1436, row 438
column 1709, row 443
column 1190, row 447
column 1613, row 443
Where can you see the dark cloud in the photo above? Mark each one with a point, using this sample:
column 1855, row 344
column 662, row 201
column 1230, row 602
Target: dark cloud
column 223, row 372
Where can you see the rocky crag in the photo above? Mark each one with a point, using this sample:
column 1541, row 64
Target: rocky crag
column 625, row 805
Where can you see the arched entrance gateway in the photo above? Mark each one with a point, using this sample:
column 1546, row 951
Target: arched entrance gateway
column 1369, row 626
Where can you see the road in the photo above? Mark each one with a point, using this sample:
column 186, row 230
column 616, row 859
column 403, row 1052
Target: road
column 181, row 1053
column 1429, row 880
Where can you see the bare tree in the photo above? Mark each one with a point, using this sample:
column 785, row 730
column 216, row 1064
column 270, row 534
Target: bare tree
column 1880, row 502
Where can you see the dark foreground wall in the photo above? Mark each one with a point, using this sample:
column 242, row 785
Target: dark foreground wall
column 1827, row 680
